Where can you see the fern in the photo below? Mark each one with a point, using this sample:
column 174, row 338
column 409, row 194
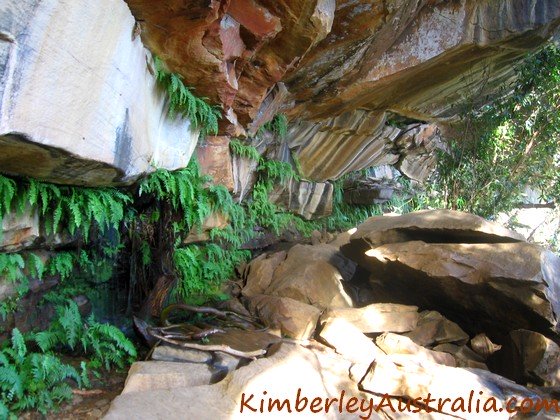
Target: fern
column 278, row 125
column 239, row 148
column 32, row 380
column 8, row 191
column 182, row 101
column 202, row 269
column 11, row 267
column 275, row 169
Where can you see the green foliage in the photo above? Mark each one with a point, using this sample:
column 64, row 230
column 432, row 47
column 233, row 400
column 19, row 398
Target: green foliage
column 182, row 101
column 506, row 146
column 32, row 380
column 183, row 189
column 239, row 148
column 275, row 169
column 203, row 268
column 77, row 208
column 8, row 191
column 39, row 381
column 278, row 125
column 11, row 267
column 104, row 344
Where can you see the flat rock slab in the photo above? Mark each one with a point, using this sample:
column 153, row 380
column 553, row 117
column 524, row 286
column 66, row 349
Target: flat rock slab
column 432, row 226
column 404, row 376
column 146, row 376
column 398, row 344
column 168, row 353
column 377, row 317
column 287, row 370
column 350, row 342
column 438, row 225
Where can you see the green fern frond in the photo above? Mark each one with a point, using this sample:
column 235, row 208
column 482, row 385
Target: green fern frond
column 182, row 101
column 278, row 125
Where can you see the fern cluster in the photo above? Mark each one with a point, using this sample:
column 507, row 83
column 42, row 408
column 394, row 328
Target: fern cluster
column 104, row 344
column 182, row 101
column 278, row 125
column 275, row 169
column 31, row 380
column 76, row 208
column 13, row 270
column 239, row 148
column 203, row 269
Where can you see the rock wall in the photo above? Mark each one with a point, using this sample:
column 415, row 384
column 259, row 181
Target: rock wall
column 338, row 68
column 79, row 105
column 78, row 102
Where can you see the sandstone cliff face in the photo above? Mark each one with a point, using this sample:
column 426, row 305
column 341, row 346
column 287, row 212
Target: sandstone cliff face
column 78, row 104
column 337, row 68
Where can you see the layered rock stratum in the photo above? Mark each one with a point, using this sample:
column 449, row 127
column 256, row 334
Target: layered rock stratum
column 78, row 97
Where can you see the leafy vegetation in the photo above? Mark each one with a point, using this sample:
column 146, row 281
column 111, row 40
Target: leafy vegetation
column 77, row 208
column 506, row 146
column 278, row 125
column 33, row 380
column 30, row 380
column 104, row 344
column 204, row 268
column 239, row 148
column 183, row 102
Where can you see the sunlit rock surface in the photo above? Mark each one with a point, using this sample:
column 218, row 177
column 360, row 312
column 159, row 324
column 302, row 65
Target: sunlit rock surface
column 78, row 104
column 338, row 68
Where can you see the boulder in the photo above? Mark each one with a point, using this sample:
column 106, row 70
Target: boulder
column 311, row 274
column 350, row 342
column 100, row 119
column 540, row 357
column 404, row 376
column 433, row 329
column 293, row 318
column 260, row 271
column 311, row 200
column 377, row 317
column 495, row 288
column 529, row 357
column 398, row 344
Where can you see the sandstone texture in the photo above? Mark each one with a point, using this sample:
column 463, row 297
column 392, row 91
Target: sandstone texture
column 308, row 199
column 78, row 104
column 469, row 286
column 350, row 75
